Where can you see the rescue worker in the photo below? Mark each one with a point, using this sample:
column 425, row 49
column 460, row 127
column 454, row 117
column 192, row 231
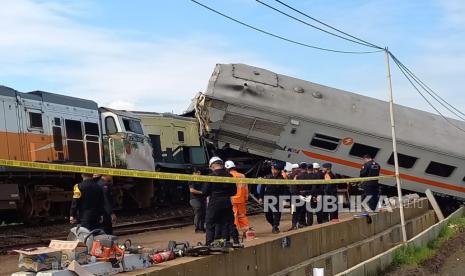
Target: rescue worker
column 308, row 194
column 109, row 217
column 274, row 216
column 330, row 191
column 198, row 202
column 299, row 193
column 318, row 193
column 87, row 206
column 294, row 171
column 370, row 188
column 239, row 203
column 219, row 209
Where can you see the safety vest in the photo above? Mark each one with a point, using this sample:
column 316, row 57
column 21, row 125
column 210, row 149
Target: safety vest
column 242, row 194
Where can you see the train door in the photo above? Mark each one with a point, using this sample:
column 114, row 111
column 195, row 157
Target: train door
column 37, row 137
column 92, row 144
column 3, row 133
column 75, row 141
column 57, row 133
column 179, row 141
column 83, row 142
column 156, row 144
column 13, row 148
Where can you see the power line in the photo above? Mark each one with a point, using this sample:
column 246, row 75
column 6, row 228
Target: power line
column 327, row 25
column 431, row 92
column 282, row 37
column 424, row 97
column 313, row 26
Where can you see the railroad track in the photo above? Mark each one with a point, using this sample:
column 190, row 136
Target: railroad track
column 119, row 229
column 41, row 237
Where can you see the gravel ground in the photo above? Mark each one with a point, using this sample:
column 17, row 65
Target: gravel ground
column 40, row 234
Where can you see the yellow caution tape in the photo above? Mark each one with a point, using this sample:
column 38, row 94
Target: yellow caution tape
column 174, row 176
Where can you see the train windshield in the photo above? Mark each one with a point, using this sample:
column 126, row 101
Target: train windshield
column 133, row 126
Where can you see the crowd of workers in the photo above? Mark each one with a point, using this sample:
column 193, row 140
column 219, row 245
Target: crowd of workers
column 220, row 209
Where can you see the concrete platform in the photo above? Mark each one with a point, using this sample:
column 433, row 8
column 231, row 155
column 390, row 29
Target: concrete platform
column 159, row 239
column 336, row 247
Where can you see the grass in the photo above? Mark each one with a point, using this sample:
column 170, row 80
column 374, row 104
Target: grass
column 412, row 256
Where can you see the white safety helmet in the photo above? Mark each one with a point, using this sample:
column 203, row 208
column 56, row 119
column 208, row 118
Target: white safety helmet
column 295, row 166
column 229, row 164
column 316, row 165
column 215, row 159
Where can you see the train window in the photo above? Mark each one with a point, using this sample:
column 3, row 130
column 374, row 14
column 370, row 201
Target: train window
column 57, row 138
column 110, row 125
column 360, row 150
column 35, row 120
column 463, row 179
column 405, row 161
column 57, row 121
column 181, row 136
column 73, row 129
column 91, row 128
column 133, row 126
column 324, row 142
column 440, row 169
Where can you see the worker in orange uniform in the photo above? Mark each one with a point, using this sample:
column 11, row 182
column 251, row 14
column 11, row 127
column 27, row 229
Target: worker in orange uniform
column 239, row 202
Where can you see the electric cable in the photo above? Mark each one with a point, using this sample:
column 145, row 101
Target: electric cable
column 313, row 26
column 327, row 25
column 431, row 92
column 282, row 37
column 425, row 98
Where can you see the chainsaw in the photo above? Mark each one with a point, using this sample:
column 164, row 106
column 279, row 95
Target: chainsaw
column 105, row 249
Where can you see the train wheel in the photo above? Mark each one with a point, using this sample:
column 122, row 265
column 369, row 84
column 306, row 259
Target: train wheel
column 26, row 208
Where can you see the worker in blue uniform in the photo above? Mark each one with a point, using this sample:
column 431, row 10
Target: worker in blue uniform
column 87, row 206
column 371, row 188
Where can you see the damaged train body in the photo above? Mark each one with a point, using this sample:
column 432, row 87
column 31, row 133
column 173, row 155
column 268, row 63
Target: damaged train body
column 254, row 110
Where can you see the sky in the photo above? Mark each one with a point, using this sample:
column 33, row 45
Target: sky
column 156, row 55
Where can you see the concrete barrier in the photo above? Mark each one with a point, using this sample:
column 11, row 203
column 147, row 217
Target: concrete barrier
column 334, row 246
column 377, row 264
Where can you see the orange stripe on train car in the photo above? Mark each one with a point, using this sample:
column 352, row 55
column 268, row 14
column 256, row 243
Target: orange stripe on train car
column 384, row 171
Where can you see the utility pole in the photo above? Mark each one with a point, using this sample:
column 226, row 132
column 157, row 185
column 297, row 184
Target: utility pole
column 394, row 146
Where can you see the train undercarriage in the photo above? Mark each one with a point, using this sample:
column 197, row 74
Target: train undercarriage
column 33, row 197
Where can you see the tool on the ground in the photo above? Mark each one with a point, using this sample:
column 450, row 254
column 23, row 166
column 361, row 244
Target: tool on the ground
column 129, row 248
column 161, row 257
column 249, row 234
column 105, row 248
column 83, row 235
column 220, row 246
column 198, row 250
column 179, row 248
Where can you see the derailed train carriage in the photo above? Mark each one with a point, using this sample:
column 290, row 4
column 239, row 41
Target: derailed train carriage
column 253, row 110
column 45, row 127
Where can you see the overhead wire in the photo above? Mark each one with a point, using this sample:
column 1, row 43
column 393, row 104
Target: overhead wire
column 311, row 25
column 424, row 97
column 408, row 74
column 282, row 37
column 327, row 25
column 431, row 92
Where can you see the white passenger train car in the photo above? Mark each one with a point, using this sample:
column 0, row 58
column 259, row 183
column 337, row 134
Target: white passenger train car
column 275, row 116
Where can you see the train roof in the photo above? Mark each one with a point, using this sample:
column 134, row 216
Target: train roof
column 163, row 115
column 121, row 112
column 259, row 88
column 49, row 98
